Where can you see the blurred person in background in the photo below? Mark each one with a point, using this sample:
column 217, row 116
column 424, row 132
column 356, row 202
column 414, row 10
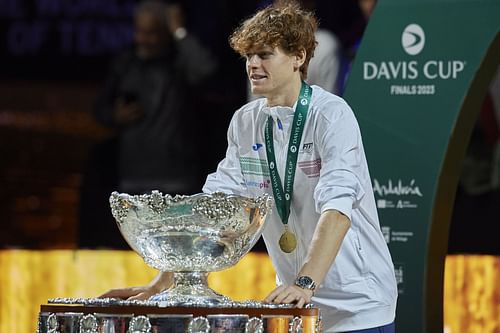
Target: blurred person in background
column 148, row 101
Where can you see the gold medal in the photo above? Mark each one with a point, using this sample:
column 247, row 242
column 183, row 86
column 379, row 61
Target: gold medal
column 288, row 241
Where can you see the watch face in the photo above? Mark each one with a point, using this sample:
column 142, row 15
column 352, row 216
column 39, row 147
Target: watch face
column 305, row 282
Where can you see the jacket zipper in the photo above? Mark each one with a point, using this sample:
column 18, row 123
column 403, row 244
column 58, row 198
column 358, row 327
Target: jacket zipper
column 298, row 265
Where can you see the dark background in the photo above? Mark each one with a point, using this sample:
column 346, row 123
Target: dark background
column 54, row 56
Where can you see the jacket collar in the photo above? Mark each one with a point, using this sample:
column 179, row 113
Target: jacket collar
column 279, row 111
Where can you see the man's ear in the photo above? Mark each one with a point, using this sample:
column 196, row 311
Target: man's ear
column 300, row 58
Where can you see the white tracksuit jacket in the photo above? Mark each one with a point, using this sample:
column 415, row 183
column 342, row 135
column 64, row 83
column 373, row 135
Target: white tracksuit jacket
column 359, row 291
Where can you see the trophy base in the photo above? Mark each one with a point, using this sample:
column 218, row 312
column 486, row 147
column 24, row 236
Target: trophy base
column 79, row 315
column 190, row 288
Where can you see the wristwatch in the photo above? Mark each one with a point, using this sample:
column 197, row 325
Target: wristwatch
column 305, row 282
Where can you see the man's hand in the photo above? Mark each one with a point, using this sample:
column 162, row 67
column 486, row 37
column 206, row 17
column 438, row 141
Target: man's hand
column 175, row 17
column 161, row 282
column 290, row 294
column 133, row 293
column 127, row 113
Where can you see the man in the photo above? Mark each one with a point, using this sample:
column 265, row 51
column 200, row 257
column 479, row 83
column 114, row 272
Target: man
column 323, row 236
column 146, row 99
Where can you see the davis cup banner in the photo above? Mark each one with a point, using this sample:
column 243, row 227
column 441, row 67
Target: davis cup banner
column 416, row 88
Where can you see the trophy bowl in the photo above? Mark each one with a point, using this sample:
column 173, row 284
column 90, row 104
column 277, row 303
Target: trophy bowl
column 190, row 236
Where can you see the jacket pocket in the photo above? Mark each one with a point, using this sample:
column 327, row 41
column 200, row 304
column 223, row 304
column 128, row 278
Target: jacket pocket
column 349, row 265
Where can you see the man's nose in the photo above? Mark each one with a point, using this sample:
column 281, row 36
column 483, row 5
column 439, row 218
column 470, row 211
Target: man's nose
column 253, row 61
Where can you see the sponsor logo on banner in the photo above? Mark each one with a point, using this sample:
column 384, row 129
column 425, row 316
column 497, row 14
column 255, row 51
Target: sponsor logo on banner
column 401, row 236
column 416, row 72
column 399, row 270
column 395, row 236
column 386, row 231
column 396, row 194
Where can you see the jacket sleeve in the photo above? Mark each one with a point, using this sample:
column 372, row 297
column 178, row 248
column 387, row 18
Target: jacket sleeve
column 228, row 177
column 343, row 162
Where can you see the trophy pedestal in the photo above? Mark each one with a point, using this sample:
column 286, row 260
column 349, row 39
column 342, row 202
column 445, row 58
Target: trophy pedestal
column 190, row 288
column 146, row 319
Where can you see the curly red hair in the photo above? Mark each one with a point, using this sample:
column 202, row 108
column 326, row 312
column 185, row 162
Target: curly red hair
column 284, row 25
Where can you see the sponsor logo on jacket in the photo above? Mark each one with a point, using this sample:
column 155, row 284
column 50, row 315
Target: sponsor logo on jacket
column 260, row 185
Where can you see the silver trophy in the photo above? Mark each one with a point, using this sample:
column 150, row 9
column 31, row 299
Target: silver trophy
column 190, row 236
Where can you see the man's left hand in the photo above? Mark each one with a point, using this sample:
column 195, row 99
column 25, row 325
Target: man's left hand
column 290, row 294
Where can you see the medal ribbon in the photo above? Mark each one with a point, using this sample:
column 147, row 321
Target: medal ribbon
column 283, row 196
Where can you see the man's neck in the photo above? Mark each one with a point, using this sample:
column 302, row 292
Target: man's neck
column 287, row 97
